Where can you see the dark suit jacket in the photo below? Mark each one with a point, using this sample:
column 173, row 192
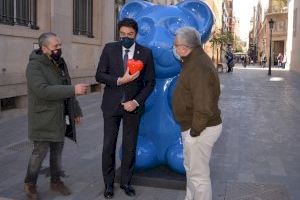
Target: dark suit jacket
column 110, row 67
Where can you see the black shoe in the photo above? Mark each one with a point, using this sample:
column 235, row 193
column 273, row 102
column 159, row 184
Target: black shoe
column 109, row 191
column 128, row 189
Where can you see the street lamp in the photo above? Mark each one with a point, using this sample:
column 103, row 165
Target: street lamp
column 271, row 24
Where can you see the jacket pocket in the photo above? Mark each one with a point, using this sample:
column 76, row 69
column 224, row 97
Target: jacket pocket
column 45, row 118
column 41, row 106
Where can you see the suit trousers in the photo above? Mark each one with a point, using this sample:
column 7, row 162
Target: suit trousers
column 129, row 140
column 197, row 153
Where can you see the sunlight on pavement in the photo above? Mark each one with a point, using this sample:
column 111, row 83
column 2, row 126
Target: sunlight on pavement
column 276, row 79
column 257, row 67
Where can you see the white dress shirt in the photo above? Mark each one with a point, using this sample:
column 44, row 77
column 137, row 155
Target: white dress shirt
column 130, row 56
column 130, row 53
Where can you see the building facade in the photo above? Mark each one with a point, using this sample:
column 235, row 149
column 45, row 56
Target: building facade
column 293, row 44
column 81, row 25
column 259, row 36
column 216, row 7
column 252, row 37
column 278, row 13
column 258, row 53
column 228, row 22
column 279, row 35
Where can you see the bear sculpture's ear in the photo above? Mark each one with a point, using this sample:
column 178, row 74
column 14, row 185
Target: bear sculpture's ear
column 132, row 8
column 202, row 15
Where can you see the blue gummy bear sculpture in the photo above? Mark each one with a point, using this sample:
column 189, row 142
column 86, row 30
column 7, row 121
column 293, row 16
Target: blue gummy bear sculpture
column 159, row 141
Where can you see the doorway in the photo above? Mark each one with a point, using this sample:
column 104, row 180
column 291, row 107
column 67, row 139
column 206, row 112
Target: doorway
column 278, row 48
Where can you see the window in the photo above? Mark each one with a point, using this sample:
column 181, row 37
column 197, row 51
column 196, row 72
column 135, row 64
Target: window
column 26, row 13
column 7, row 12
column 19, row 12
column 8, row 103
column 83, row 17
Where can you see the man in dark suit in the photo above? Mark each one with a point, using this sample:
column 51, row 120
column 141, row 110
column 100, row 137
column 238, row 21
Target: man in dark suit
column 124, row 97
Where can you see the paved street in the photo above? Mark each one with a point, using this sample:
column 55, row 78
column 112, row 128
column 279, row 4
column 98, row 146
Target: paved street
column 256, row 157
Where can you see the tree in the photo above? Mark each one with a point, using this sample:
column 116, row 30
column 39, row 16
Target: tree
column 220, row 38
column 239, row 44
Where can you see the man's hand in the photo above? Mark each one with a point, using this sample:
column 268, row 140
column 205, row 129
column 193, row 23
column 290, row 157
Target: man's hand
column 81, row 89
column 129, row 106
column 77, row 120
column 126, row 78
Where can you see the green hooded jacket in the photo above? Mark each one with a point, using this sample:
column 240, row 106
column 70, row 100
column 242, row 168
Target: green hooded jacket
column 50, row 97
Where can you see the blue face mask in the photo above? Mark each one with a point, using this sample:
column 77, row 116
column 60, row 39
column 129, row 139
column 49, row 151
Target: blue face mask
column 176, row 54
column 126, row 42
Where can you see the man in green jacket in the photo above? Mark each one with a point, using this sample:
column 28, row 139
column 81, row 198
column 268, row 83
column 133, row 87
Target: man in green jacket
column 195, row 106
column 52, row 111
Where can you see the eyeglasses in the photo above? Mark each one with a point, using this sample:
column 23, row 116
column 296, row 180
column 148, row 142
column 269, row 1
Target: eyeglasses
column 178, row 45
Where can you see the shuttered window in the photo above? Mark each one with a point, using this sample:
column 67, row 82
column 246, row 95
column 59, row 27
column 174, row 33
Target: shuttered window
column 19, row 12
column 83, row 17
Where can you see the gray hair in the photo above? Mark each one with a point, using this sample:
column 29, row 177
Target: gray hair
column 189, row 36
column 43, row 39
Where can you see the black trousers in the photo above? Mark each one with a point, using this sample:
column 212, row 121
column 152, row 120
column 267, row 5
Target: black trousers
column 130, row 132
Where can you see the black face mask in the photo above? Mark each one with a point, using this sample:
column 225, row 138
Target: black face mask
column 126, row 42
column 56, row 56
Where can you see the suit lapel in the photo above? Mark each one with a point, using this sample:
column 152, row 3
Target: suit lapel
column 119, row 58
column 137, row 52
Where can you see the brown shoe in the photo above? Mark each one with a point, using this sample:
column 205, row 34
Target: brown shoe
column 60, row 187
column 30, row 190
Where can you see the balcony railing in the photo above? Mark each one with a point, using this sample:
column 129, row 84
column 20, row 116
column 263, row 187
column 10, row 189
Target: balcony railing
column 276, row 9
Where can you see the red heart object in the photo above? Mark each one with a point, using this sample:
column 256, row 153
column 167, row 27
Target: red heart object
column 134, row 66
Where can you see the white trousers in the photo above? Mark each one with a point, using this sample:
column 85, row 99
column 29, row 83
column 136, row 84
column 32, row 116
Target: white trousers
column 197, row 153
